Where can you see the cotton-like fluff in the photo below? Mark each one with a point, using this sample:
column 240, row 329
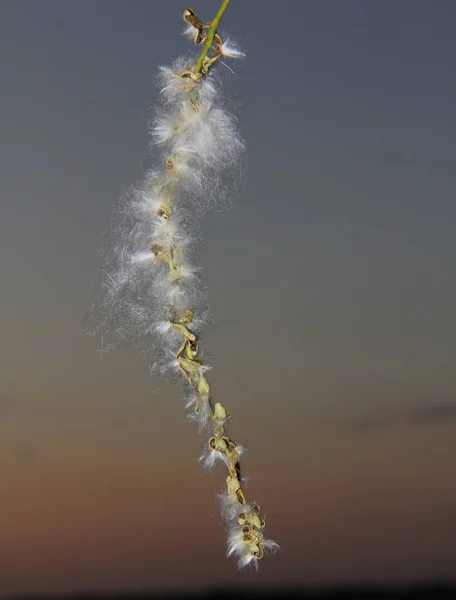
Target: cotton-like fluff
column 202, row 136
column 198, row 149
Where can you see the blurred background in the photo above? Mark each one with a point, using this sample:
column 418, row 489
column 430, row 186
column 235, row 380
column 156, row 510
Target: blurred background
column 331, row 281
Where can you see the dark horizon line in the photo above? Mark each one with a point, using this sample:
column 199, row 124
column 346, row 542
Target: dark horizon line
column 439, row 588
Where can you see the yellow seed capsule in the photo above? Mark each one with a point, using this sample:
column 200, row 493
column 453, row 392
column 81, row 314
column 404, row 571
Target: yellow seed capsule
column 188, row 365
column 196, row 77
column 188, row 335
column 233, row 485
column 203, row 386
column 219, row 411
column 196, row 104
column 181, row 318
column 159, row 253
column 191, row 18
column 164, row 211
column 255, row 520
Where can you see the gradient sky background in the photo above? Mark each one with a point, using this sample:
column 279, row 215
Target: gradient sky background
column 331, row 280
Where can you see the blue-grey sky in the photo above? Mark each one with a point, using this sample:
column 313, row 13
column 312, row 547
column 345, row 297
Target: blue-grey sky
column 331, row 281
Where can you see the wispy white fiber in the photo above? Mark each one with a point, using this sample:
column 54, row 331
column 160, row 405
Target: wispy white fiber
column 230, row 50
column 209, row 457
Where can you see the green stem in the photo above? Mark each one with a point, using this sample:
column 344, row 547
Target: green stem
column 210, row 35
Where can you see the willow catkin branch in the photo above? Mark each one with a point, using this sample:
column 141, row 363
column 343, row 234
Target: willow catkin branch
column 150, row 289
